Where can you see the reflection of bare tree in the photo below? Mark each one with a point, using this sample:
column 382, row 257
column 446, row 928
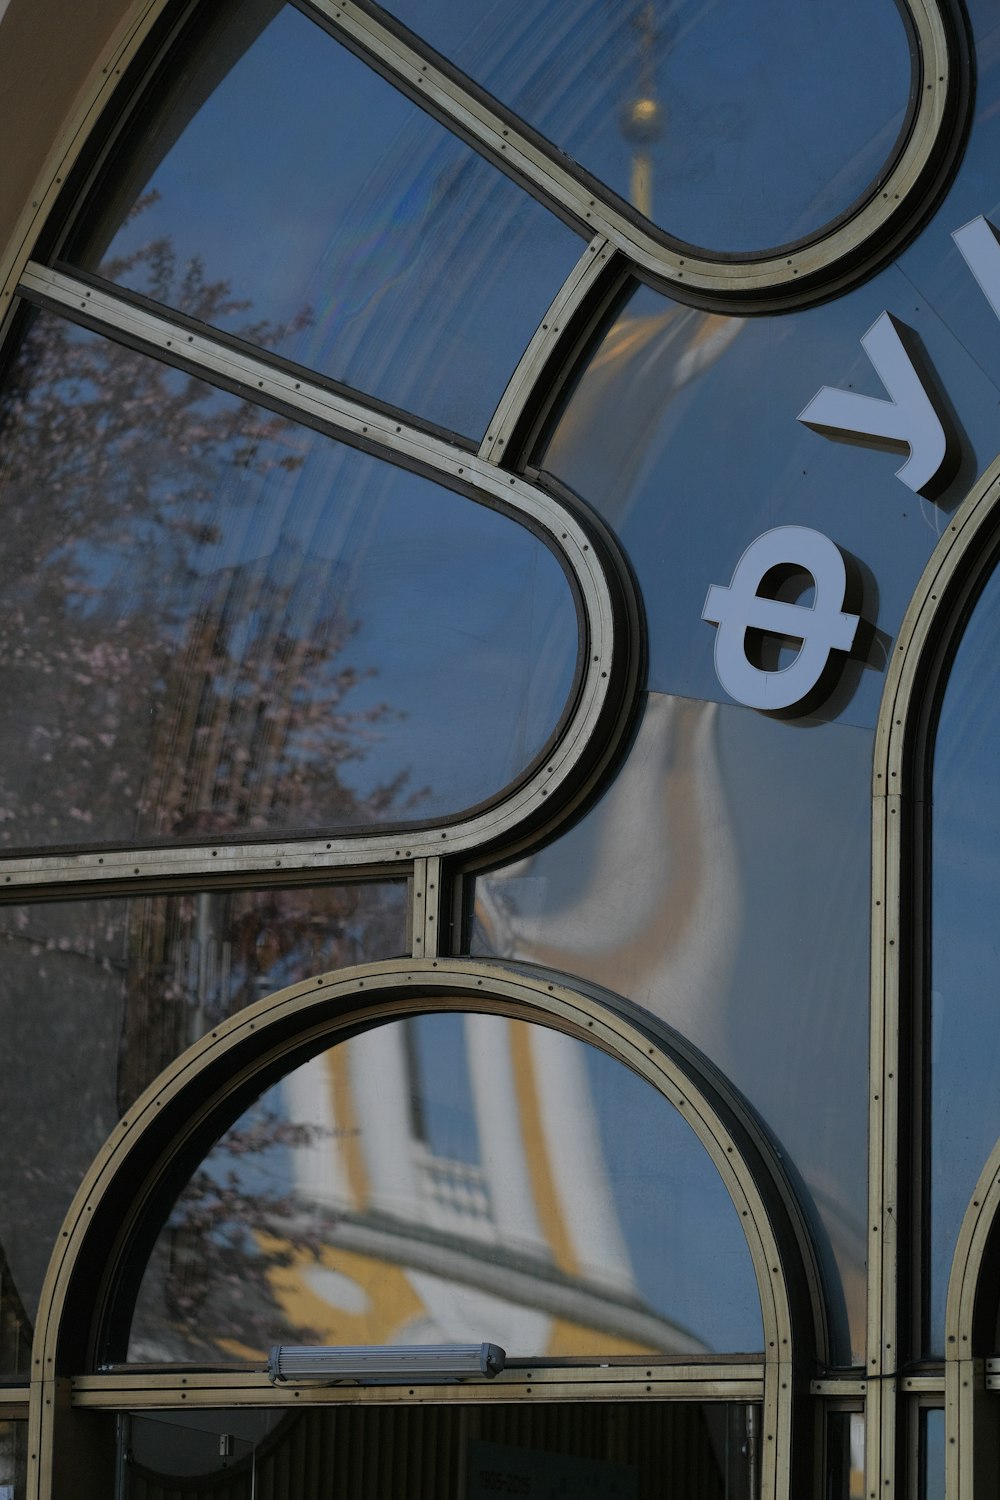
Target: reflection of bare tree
column 195, row 959
column 151, row 690
column 213, row 1252
column 118, row 612
column 15, row 1336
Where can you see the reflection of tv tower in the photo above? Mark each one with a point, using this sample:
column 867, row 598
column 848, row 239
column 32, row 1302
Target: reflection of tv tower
column 642, row 115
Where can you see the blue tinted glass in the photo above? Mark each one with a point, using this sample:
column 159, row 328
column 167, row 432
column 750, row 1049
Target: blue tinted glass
column 98, row 997
column 965, row 972
column 722, row 883
column 217, row 622
column 285, row 192
column 737, row 127
column 567, row 1209
column 682, row 432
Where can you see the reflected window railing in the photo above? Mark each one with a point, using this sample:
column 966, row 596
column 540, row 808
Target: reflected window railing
column 575, row 1213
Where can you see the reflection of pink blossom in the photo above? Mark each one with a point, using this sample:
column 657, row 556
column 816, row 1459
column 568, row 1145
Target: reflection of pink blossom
column 170, row 703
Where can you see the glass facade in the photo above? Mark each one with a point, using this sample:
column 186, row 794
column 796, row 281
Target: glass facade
column 449, row 1179
column 497, row 765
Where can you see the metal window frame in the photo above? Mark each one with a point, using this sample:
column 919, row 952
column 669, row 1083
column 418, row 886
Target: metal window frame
column 619, row 243
column 183, row 1108
column 609, row 670
column 847, row 251
column 900, row 826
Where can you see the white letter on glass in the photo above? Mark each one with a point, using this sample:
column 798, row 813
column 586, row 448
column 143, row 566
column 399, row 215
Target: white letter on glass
column 909, row 416
column 822, row 627
column 978, row 243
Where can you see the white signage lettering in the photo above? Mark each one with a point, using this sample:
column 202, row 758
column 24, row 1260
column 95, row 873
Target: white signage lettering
column 978, row 243
column 822, row 627
column 909, row 417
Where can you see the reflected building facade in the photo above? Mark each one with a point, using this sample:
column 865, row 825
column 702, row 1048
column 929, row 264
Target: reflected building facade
column 412, row 934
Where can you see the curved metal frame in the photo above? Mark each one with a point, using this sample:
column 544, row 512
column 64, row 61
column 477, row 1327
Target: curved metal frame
column 902, row 747
column 970, row 1441
column 609, row 644
column 619, row 242
column 188, row 1105
column 849, row 250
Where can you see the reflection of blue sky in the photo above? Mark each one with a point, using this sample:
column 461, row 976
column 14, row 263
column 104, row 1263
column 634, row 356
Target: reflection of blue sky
column 685, row 1241
column 965, row 981
column 458, row 620
column 443, row 1086
column 774, row 118
column 684, row 1238
column 308, row 182
column 690, row 460
column 737, row 911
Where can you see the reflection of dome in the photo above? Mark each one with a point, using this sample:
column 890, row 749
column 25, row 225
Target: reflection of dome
column 508, row 1224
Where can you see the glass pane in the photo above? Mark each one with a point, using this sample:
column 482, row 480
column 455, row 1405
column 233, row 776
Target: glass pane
column 593, row 1450
column 682, row 433
column 722, row 883
column 965, row 971
column 932, row 263
column 845, row 1455
column 13, row 1460
column 737, row 129
column 96, row 997
column 453, row 1179
column 931, row 1482
column 216, row 622
column 282, row 190
column 15, row 1325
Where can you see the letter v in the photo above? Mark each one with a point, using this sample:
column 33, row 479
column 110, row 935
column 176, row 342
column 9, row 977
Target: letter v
column 910, row 416
column 977, row 241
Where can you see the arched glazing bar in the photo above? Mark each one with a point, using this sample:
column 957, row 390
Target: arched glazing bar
column 972, row 1418
column 103, row 1235
column 832, row 260
column 609, row 670
column 846, row 254
column 898, row 1171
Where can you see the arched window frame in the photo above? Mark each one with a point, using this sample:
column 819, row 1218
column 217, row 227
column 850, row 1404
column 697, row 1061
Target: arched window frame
column 618, row 245
column 183, row 1110
column 904, row 747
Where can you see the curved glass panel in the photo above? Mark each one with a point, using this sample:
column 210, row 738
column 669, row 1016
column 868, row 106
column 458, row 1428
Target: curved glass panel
column 591, row 1450
column 451, row 1179
column 722, row 883
column 283, row 191
column 97, row 997
column 216, row 622
column 965, row 939
column 737, row 128
column 681, row 431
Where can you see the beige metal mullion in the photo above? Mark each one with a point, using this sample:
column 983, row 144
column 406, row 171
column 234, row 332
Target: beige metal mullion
column 931, row 1386
column 902, row 729
column 842, row 1389
column 159, row 1390
column 578, row 286
column 247, row 1044
column 883, row 1236
column 426, row 908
